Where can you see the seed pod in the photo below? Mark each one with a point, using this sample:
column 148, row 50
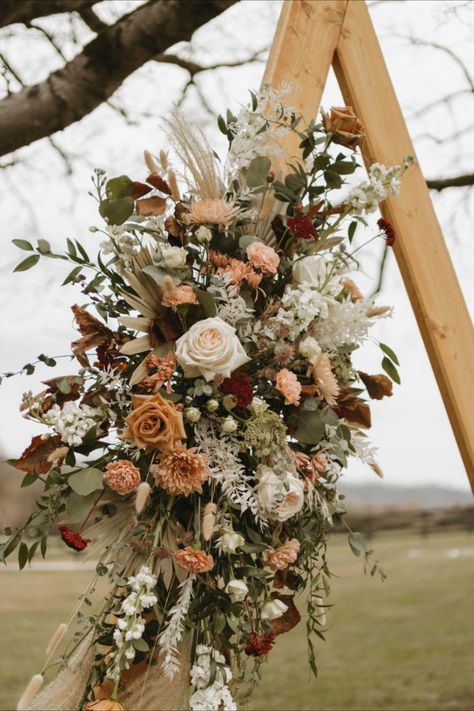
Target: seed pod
column 35, row 684
column 208, row 521
column 141, row 497
column 55, row 640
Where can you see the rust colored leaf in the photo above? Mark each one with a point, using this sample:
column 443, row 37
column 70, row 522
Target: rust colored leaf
column 34, row 459
column 57, row 387
column 286, row 578
column 159, row 183
column 354, row 409
column 181, row 212
column 173, row 226
column 289, row 619
column 165, row 327
column 139, row 190
column 93, row 332
column 378, row 386
column 151, row 206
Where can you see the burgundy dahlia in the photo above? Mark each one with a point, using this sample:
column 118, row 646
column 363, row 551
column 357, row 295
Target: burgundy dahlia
column 387, row 227
column 260, row 645
column 240, row 387
column 301, row 227
column 73, row 540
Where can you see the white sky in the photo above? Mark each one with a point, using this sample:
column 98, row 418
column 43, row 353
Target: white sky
column 415, row 441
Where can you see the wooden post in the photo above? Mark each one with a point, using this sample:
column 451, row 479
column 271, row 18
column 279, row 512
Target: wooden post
column 302, row 54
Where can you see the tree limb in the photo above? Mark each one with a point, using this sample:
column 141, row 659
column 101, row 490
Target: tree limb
column 72, row 92
column 458, row 181
column 25, row 11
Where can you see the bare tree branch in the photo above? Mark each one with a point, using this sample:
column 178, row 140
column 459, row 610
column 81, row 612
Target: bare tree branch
column 458, row 181
column 12, row 11
column 72, row 92
column 91, row 19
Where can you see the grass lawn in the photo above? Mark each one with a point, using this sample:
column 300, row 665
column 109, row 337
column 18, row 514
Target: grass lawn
column 404, row 644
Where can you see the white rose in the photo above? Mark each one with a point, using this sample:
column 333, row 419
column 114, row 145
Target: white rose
column 276, row 498
column 208, row 348
column 229, row 425
column 237, row 590
column 230, row 541
column 273, row 609
column 174, row 257
column 203, row 235
column 310, row 270
column 309, row 347
column 192, row 414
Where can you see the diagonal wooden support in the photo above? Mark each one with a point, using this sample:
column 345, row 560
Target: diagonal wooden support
column 309, row 37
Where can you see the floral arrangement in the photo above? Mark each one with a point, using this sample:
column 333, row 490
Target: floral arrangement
column 196, row 453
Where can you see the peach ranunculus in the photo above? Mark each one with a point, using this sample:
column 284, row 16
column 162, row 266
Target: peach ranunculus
column 183, row 294
column 289, row 386
column 122, row 476
column 263, row 257
column 212, row 212
column 164, row 367
column 104, row 705
column 181, row 471
column 237, row 269
column 154, row 423
column 195, row 561
column 324, row 378
column 281, row 558
column 253, row 278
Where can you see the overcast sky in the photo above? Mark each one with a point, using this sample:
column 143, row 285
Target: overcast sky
column 411, row 429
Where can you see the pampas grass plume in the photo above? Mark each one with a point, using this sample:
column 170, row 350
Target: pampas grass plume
column 55, row 640
column 35, row 684
column 150, row 161
column 141, row 497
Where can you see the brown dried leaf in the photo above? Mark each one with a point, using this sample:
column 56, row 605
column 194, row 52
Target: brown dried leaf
column 151, row 206
column 75, row 383
column 159, row 183
column 378, row 386
column 289, row 619
column 93, row 333
column 34, row 459
column 286, row 578
column 165, row 327
column 354, row 409
column 139, row 190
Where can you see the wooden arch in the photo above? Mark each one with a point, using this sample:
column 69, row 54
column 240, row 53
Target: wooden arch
column 311, row 35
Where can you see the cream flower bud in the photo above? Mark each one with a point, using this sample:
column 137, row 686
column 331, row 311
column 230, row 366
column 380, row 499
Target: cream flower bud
column 203, row 235
column 257, row 406
column 229, row 401
column 174, row 257
column 309, row 347
column 192, row 414
column 229, row 425
column 273, row 609
column 230, row 541
column 212, row 405
column 237, row 590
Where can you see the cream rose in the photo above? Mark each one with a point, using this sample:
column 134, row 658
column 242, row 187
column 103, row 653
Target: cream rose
column 174, row 257
column 210, row 347
column 230, row 541
column 237, row 590
column 310, row 270
column 273, row 609
column 280, row 499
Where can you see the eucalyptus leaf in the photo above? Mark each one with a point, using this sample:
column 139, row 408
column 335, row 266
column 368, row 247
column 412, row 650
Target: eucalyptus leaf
column 257, row 172
column 118, row 188
column 85, row 481
column 357, row 544
column 27, row 263
column 23, row 244
column 388, row 351
column 206, row 301
column 311, row 428
column 116, row 211
column 77, row 506
column 391, row 370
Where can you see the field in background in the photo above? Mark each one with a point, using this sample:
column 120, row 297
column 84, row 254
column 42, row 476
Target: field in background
column 404, row 644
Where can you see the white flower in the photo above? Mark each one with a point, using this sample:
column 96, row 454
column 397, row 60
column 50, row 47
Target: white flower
column 237, row 589
column 192, row 414
column 283, row 499
column 203, row 235
column 212, row 405
column 230, row 541
column 315, row 271
column 208, row 348
column 257, row 406
column 174, row 257
column 309, row 347
column 273, row 609
column 229, row 425
column 73, row 421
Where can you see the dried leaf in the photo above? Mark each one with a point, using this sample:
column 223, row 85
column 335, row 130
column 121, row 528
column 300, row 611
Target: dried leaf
column 287, row 579
column 93, row 332
column 34, row 459
column 353, row 408
column 165, row 327
column 289, row 619
column 159, row 183
column 151, row 206
column 64, row 388
column 139, row 190
column 378, row 386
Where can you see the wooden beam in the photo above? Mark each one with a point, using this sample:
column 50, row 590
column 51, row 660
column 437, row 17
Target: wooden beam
column 421, row 252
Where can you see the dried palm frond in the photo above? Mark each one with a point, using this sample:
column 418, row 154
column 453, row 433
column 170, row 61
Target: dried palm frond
column 198, row 159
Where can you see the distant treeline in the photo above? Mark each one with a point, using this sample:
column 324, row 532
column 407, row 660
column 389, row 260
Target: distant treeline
column 415, row 519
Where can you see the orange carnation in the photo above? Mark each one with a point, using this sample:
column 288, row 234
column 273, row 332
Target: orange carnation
column 289, row 386
column 154, row 422
column 194, row 560
column 122, row 476
column 281, row 558
column 181, row 471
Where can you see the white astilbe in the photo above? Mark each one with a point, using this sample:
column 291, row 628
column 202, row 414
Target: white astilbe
column 346, row 323
column 173, row 632
column 299, row 307
column 231, row 307
column 226, row 467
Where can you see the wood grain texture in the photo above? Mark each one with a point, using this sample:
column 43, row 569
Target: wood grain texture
column 421, row 252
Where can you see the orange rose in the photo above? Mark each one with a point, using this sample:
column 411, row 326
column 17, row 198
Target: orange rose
column 342, row 121
column 104, row 705
column 154, row 422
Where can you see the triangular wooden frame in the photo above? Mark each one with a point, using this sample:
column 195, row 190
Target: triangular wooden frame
column 311, row 35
